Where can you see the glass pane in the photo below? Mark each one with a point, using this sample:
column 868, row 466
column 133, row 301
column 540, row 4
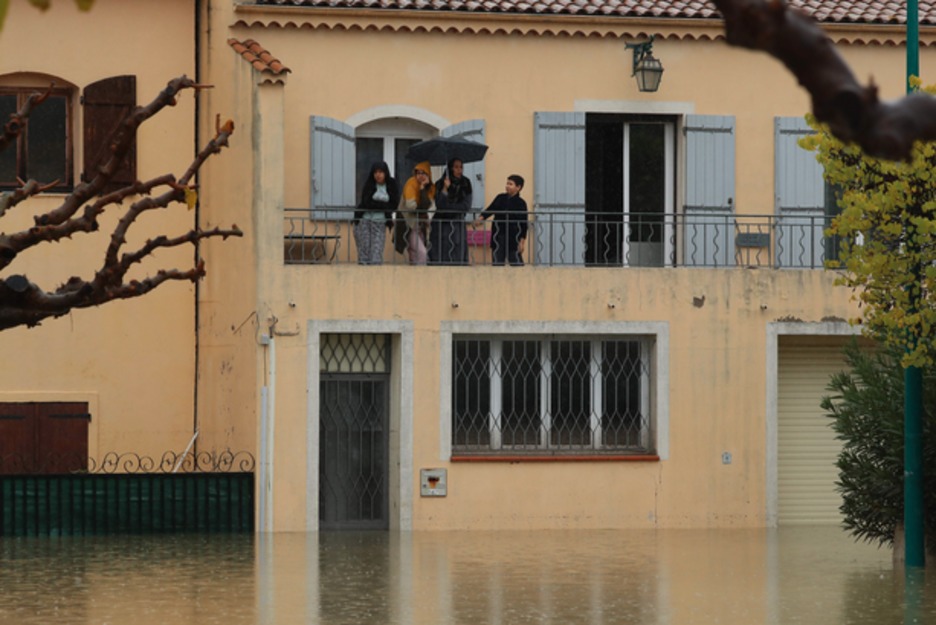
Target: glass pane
column 520, row 393
column 7, row 155
column 647, row 180
column 47, row 141
column 833, row 244
column 471, row 394
column 570, row 393
column 621, row 421
column 368, row 150
column 402, row 168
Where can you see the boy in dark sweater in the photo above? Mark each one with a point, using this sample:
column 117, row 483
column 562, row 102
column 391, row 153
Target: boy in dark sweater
column 509, row 228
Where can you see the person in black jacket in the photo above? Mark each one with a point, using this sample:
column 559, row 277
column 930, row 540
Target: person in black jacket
column 509, row 228
column 448, row 239
column 374, row 214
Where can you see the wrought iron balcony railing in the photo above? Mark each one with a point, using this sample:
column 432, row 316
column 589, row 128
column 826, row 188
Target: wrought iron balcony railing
column 794, row 240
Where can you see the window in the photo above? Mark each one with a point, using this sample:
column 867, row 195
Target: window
column 552, row 394
column 342, row 155
column 43, row 437
column 629, row 200
column 388, row 141
column 624, row 211
column 43, row 149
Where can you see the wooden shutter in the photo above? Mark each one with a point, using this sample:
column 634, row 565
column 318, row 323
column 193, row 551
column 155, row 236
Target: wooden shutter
column 43, row 437
column 106, row 103
column 559, row 199
column 62, row 436
column 709, row 230
column 800, row 197
column 472, row 130
column 333, row 169
column 17, row 438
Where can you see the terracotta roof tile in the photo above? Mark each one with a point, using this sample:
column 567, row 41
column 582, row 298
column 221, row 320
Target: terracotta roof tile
column 258, row 56
column 835, row 11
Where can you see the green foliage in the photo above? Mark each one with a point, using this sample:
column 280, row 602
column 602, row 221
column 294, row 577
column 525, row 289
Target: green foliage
column 866, row 406
column 887, row 230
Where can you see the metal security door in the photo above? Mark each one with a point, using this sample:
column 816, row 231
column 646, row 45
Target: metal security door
column 354, row 395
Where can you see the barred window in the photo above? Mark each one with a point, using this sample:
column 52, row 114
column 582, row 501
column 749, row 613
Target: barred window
column 553, row 394
column 43, row 149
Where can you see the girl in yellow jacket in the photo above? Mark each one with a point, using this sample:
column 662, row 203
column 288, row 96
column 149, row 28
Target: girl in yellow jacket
column 417, row 204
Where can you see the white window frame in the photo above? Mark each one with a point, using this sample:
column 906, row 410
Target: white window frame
column 392, row 129
column 656, row 388
column 669, row 188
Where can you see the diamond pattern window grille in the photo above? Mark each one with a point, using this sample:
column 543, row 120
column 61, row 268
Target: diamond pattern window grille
column 552, row 393
column 354, row 353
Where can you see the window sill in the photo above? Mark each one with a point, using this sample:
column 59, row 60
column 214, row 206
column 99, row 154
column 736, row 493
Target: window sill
column 557, row 458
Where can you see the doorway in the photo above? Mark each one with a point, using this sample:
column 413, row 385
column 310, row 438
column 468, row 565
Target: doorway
column 354, row 432
column 629, row 189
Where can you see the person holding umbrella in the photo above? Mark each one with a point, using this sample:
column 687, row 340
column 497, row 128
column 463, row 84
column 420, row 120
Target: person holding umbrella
column 448, row 237
column 416, row 206
column 441, row 151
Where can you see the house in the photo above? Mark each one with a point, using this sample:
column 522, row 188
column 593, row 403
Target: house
column 656, row 362
column 120, row 378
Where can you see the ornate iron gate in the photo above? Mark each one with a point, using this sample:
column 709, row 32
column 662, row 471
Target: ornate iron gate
column 354, row 396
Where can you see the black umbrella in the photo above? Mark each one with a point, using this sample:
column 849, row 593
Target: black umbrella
column 440, row 150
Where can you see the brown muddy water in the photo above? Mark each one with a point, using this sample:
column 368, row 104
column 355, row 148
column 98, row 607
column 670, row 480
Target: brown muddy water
column 728, row 577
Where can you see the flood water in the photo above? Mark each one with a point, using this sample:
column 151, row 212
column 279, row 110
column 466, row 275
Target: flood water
column 788, row 576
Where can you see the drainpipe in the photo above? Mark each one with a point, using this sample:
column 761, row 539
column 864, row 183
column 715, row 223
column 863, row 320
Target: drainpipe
column 197, row 217
column 267, row 438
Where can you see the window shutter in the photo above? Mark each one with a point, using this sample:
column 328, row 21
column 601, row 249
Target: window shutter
column 709, row 229
column 800, row 196
column 472, row 130
column 559, row 199
column 333, row 168
column 17, row 438
column 63, row 436
column 106, row 103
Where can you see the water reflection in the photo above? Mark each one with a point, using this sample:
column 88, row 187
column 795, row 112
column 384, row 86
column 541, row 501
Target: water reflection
column 803, row 575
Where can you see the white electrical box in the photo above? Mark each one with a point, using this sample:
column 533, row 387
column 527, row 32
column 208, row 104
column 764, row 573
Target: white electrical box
column 433, row 482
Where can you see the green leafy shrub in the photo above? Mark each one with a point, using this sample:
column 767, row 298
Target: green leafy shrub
column 867, row 409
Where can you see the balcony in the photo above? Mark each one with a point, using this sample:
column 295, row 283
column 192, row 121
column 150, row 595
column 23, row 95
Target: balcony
column 558, row 239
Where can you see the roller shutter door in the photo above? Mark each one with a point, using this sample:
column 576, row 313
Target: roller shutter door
column 806, row 446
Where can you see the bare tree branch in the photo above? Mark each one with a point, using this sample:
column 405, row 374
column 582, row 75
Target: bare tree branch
column 17, row 122
column 853, row 113
column 22, row 302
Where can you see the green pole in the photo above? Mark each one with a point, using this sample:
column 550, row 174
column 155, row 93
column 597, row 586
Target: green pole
column 914, row 550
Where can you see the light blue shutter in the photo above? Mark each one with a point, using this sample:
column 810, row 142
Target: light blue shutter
column 559, row 176
column 800, row 195
column 709, row 228
column 472, row 130
column 332, row 183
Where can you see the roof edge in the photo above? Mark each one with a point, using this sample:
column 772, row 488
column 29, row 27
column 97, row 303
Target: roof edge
column 408, row 20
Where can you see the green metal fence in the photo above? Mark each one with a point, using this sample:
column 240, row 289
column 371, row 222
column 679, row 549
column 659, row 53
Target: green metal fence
column 142, row 503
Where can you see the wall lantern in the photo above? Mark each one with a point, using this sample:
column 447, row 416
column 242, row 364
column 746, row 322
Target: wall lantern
column 647, row 69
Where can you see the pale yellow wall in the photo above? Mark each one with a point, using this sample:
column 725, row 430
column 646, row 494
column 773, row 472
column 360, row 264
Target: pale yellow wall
column 133, row 359
column 718, row 371
column 504, row 79
column 231, row 318
column 716, row 394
